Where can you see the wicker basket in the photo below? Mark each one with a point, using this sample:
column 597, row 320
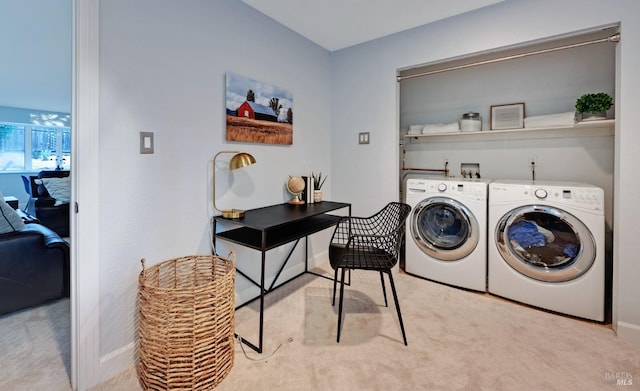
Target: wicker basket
column 187, row 308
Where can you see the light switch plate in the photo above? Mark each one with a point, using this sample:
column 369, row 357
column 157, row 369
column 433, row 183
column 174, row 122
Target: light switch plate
column 363, row 138
column 146, row 142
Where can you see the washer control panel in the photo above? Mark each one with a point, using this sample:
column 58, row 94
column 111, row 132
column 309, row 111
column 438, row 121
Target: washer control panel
column 470, row 190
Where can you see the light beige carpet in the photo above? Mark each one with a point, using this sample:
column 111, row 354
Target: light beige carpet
column 458, row 340
column 35, row 349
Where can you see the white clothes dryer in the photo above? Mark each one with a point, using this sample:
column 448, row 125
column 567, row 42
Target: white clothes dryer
column 446, row 238
column 546, row 245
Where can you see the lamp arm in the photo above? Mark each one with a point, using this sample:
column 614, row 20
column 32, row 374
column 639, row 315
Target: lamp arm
column 213, row 195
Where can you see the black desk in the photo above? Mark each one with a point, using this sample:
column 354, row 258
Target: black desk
column 266, row 228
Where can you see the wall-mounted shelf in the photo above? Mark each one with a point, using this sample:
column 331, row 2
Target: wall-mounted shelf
column 581, row 129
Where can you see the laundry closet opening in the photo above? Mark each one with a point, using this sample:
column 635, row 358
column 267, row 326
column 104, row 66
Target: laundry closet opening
column 539, row 85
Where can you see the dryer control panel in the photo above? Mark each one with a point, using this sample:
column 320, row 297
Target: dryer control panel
column 470, row 190
column 467, row 189
column 587, row 197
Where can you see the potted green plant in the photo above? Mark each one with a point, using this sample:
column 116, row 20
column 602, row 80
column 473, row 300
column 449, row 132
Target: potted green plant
column 318, row 181
column 594, row 106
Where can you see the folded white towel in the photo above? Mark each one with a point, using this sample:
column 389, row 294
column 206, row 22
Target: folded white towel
column 451, row 127
column 415, row 129
column 549, row 120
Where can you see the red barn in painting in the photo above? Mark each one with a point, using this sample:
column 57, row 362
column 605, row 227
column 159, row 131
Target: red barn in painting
column 254, row 110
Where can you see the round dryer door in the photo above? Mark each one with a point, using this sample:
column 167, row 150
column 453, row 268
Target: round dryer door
column 545, row 243
column 444, row 228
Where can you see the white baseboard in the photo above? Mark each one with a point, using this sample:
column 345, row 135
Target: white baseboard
column 118, row 361
column 628, row 332
column 319, row 260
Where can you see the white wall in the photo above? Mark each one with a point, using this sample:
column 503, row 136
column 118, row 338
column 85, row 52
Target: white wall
column 626, row 289
column 365, row 97
column 162, row 69
column 35, row 71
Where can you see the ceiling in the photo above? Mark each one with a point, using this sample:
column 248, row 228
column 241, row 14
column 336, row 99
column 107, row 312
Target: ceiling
column 336, row 24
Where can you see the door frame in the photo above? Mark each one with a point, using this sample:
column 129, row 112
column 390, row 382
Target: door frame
column 85, row 262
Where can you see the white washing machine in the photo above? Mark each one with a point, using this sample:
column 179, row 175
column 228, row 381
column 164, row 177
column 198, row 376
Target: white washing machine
column 546, row 246
column 446, row 238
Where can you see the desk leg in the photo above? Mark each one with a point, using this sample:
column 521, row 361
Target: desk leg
column 258, row 348
column 261, row 332
column 306, row 253
column 214, row 226
column 262, row 267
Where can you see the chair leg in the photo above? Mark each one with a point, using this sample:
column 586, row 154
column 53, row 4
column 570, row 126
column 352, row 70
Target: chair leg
column 335, row 280
column 395, row 298
column 384, row 290
column 340, row 306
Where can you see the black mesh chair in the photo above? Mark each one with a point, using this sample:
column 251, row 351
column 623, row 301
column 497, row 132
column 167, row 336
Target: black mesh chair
column 369, row 243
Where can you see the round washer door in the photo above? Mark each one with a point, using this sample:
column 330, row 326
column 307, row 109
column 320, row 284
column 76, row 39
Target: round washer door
column 444, row 228
column 545, row 243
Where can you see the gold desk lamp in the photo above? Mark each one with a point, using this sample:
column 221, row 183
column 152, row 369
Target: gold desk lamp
column 239, row 160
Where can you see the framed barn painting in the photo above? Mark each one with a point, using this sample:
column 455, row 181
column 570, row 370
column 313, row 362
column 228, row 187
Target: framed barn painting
column 258, row 112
